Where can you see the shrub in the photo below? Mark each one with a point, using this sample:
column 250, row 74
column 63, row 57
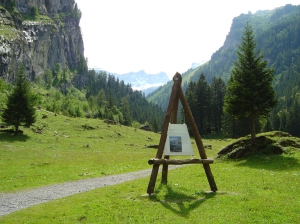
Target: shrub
column 34, row 11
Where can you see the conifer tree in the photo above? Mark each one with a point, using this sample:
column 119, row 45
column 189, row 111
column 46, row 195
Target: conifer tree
column 126, row 111
column 34, row 11
column 293, row 117
column 202, row 114
column 20, row 109
column 154, row 124
column 48, row 78
column 218, row 88
column 250, row 93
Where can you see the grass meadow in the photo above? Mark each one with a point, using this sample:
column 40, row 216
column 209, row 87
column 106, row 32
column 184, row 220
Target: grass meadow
column 259, row 189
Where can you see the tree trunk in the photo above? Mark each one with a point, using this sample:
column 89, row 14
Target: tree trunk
column 252, row 124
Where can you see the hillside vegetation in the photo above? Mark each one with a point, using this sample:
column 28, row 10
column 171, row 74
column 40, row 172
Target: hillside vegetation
column 59, row 148
column 269, row 143
column 103, row 97
column 277, row 33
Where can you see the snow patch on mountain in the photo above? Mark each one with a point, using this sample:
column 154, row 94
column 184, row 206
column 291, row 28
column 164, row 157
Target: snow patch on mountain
column 141, row 80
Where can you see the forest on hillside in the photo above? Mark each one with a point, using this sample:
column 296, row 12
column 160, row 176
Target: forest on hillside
column 277, row 33
column 99, row 95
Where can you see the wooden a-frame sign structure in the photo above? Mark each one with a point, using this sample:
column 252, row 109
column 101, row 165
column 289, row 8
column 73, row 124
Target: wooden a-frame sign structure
column 176, row 95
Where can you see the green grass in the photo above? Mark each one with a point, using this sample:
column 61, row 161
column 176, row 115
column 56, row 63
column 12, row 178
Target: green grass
column 257, row 190
column 260, row 189
column 8, row 32
column 37, row 18
column 82, row 148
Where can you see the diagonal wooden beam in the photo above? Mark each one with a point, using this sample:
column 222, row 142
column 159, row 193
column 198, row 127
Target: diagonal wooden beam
column 164, row 176
column 198, row 140
column 174, row 94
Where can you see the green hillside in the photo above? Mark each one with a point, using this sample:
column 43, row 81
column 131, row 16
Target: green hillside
column 59, row 148
column 277, row 33
column 161, row 96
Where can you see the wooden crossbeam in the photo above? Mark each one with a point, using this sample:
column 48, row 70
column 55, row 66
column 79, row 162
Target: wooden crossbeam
column 179, row 162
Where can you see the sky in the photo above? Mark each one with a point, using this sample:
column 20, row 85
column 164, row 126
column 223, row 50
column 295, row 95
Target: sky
column 122, row 36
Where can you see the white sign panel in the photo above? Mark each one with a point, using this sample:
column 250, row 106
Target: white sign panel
column 178, row 141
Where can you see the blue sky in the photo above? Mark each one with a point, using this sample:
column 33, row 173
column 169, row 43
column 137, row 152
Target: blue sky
column 159, row 35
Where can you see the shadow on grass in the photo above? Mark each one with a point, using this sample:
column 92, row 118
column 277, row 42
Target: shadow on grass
column 13, row 138
column 180, row 203
column 275, row 162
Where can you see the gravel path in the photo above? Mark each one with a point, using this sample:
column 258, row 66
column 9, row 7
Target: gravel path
column 12, row 202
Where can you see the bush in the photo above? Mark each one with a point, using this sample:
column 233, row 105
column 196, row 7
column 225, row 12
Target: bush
column 34, row 11
column 10, row 6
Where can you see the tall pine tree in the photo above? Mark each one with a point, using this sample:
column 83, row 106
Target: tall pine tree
column 218, row 88
column 293, row 117
column 126, row 111
column 20, row 109
column 250, row 93
column 202, row 118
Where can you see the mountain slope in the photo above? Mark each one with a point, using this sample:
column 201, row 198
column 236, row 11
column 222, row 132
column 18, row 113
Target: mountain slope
column 161, row 95
column 277, row 33
column 141, row 80
column 144, row 82
column 39, row 35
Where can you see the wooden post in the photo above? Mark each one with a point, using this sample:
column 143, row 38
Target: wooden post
column 164, row 132
column 198, row 140
column 164, row 177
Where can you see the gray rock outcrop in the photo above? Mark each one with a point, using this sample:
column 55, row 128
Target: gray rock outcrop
column 39, row 43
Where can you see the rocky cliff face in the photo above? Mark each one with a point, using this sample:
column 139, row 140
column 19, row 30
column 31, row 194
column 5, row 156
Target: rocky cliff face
column 39, row 42
column 45, row 6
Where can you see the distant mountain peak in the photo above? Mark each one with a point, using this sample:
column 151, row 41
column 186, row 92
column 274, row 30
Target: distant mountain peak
column 143, row 81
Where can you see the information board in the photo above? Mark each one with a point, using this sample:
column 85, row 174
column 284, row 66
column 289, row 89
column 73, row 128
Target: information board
column 178, row 141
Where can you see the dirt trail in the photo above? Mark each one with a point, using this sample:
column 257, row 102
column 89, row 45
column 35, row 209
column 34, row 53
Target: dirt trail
column 12, row 202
